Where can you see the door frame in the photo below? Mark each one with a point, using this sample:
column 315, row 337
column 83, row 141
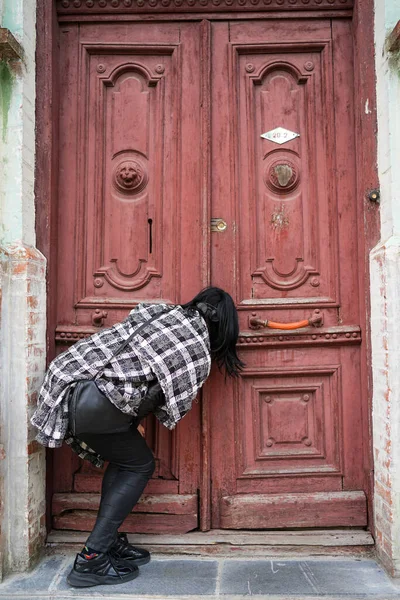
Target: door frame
column 46, row 181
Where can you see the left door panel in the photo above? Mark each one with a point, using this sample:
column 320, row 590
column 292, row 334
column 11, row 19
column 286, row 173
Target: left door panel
column 130, row 117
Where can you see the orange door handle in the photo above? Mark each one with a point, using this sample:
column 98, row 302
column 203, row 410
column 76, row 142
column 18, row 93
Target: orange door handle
column 316, row 320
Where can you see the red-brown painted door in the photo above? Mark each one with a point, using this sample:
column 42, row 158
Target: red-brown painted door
column 160, row 131
column 288, row 439
column 131, row 221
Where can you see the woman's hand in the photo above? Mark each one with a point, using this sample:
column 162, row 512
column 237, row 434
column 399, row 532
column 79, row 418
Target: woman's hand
column 152, row 400
column 141, row 430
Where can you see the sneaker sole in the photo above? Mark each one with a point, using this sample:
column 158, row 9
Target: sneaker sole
column 89, row 580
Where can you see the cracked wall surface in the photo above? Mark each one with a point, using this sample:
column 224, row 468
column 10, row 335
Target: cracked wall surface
column 23, row 305
column 385, row 295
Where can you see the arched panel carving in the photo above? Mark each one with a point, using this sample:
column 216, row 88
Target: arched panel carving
column 132, row 96
column 285, row 220
column 282, row 261
column 288, row 71
column 124, row 206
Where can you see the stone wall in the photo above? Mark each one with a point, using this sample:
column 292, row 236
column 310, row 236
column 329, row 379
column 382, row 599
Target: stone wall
column 23, row 354
column 385, row 295
column 22, row 314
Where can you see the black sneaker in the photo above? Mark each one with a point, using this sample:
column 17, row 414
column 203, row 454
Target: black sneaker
column 121, row 548
column 100, row 569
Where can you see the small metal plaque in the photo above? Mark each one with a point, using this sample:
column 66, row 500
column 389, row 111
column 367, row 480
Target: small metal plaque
column 280, row 135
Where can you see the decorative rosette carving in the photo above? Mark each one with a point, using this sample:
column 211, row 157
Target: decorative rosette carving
column 130, row 176
column 282, row 175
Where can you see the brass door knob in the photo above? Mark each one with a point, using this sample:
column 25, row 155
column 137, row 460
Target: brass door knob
column 218, row 225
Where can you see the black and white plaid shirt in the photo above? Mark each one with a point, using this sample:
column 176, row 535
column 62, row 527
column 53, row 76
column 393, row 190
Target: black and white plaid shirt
column 173, row 348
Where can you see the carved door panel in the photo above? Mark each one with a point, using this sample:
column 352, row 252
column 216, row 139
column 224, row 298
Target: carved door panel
column 288, row 438
column 130, row 226
column 291, row 453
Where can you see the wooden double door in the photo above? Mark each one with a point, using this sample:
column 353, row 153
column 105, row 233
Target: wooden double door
column 166, row 185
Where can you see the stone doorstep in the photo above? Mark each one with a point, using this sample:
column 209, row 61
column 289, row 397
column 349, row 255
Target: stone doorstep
column 189, row 578
column 224, row 543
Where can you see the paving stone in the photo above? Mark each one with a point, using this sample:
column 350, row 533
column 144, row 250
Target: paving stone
column 254, row 577
column 37, row 580
column 161, row 578
column 350, row 577
column 338, row 579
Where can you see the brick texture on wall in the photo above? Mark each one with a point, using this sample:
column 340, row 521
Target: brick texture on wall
column 23, row 356
column 385, row 295
column 385, row 300
column 23, row 310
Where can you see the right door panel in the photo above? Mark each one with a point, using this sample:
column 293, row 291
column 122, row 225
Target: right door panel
column 295, row 437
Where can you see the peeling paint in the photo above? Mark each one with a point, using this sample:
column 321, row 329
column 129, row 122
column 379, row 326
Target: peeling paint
column 280, row 219
column 392, row 48
column 394, row 62
column 6, row 83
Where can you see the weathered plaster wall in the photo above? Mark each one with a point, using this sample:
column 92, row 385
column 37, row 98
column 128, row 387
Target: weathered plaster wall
column 385, row 297
column 22, row 312
column 18, row 127
column 22, row 342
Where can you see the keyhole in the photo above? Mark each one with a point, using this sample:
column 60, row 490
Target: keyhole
column 150, row 222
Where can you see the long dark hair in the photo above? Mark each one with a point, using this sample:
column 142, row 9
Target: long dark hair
column 219, row 310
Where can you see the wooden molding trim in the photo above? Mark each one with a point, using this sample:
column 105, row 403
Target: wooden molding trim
column 179, row 504
column 165, row 6
column 303, row 337
column 299, row 539
column 320, row 509
column 70, row 334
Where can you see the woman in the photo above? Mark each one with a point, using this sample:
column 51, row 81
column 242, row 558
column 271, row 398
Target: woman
column 154, row 361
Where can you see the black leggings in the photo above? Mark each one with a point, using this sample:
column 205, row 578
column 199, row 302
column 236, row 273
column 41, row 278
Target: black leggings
column 130, row 468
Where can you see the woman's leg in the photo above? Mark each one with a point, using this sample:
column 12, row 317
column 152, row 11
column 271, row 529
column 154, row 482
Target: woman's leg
column 110, row 474
column 131, row 467
column 111, row 471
